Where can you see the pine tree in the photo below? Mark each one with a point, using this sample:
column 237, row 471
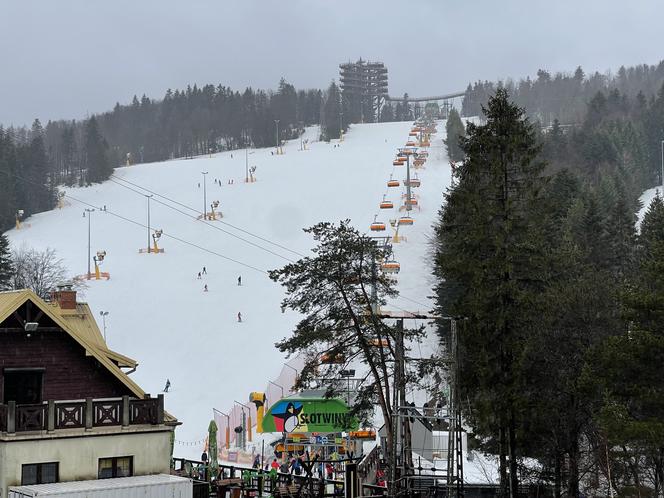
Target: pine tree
column 491, row 268
column 455, row 130
column 98, row 166
column 6, row 267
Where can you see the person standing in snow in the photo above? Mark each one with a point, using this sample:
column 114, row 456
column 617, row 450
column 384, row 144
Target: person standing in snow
column 204, row 271
column 205, row 289
column 199, row 275
column 239, row 280
column 239, row 317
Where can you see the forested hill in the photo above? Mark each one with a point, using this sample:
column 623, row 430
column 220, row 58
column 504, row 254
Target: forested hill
column 564, row 96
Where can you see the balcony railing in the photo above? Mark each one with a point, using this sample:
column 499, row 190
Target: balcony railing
column 84, row 414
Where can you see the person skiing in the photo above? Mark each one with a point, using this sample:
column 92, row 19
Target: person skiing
column 239, row 316
column 199, row 275
column 204, row 271
column 205, row 289
column 239, row 280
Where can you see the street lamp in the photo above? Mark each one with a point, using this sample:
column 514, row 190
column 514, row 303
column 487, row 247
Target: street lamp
column 148, row 198
column 204, row 173
column 276, row 122
column 246, row 164
column 89, row 211
column 103, row 315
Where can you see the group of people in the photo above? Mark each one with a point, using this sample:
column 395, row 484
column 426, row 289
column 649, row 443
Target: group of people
column 205, row 288
column 296, row 466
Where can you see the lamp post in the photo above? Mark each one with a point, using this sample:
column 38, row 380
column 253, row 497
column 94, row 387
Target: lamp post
column 276, row 122
column 148, row 198
column 204, row 173
column 246, row 164
column 103, row 315
column 89, row 211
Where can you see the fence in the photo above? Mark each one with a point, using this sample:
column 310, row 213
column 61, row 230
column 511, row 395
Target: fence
column 89, row 413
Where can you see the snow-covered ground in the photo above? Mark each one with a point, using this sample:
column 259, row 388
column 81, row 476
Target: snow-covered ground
column 159, row 313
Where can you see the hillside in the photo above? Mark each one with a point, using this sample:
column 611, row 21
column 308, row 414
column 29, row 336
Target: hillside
column 158, row 310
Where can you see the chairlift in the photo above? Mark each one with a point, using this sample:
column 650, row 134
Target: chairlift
column 377, row 226
column 386, row 204
column 413, row 182
column 392, row 183
column 410, row 143
column 391, row 266
column 405, row 220
column 332, row 359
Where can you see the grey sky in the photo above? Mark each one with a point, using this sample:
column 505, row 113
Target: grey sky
column 66, row 58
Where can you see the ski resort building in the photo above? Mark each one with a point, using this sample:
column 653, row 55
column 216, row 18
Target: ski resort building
column 68, row 409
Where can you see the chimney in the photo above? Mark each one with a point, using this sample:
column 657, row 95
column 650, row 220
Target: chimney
column 65, row 296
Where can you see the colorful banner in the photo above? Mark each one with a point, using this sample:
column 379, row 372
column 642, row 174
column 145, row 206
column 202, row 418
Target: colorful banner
column 306, row 415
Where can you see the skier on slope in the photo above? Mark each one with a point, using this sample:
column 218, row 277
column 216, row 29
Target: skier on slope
column 205, row 289
column 239, row 280
column 239, row 317
column 199, row 275
column 204, row 271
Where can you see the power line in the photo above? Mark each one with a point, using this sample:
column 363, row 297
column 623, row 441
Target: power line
column 204, row 221
column 170, row 199
column 114, row 179
column 137, row 223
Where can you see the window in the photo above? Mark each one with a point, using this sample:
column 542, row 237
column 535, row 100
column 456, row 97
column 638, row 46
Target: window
column 39, row 473
column 22, row 385
column 116, row 467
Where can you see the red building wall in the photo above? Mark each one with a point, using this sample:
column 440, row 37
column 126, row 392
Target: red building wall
column 68, row 372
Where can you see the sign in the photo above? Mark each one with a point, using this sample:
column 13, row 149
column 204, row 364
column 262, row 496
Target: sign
column 309, row 415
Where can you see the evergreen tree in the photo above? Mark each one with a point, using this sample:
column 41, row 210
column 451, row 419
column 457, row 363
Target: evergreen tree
column 455, row 130
column 491, row 265
column 98, row 166
column 333, row 292
column 6, row 267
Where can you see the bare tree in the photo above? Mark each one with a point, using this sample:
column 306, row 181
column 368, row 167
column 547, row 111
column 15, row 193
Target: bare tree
column 40, row 271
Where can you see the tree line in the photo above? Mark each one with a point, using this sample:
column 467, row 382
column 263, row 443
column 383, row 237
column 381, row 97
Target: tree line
column 564, row 96
column 557, row 296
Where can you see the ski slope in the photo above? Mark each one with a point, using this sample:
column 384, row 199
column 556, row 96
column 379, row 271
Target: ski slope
column 159, row 313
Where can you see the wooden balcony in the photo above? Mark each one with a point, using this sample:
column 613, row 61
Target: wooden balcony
column 83, row 414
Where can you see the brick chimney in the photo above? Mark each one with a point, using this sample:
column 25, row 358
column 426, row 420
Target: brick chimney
column 65, row 296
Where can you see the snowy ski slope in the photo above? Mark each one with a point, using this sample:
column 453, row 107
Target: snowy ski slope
column 158, row 311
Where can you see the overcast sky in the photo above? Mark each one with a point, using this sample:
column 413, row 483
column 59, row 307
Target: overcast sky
column 67, row 58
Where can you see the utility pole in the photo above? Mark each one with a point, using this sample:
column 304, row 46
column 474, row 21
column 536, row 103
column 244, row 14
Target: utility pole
column 408, row 190
column 455, row 435
column 204, row 173
column 276, row 122
column 89, row 211
column 246, row 165
column 148, row 198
